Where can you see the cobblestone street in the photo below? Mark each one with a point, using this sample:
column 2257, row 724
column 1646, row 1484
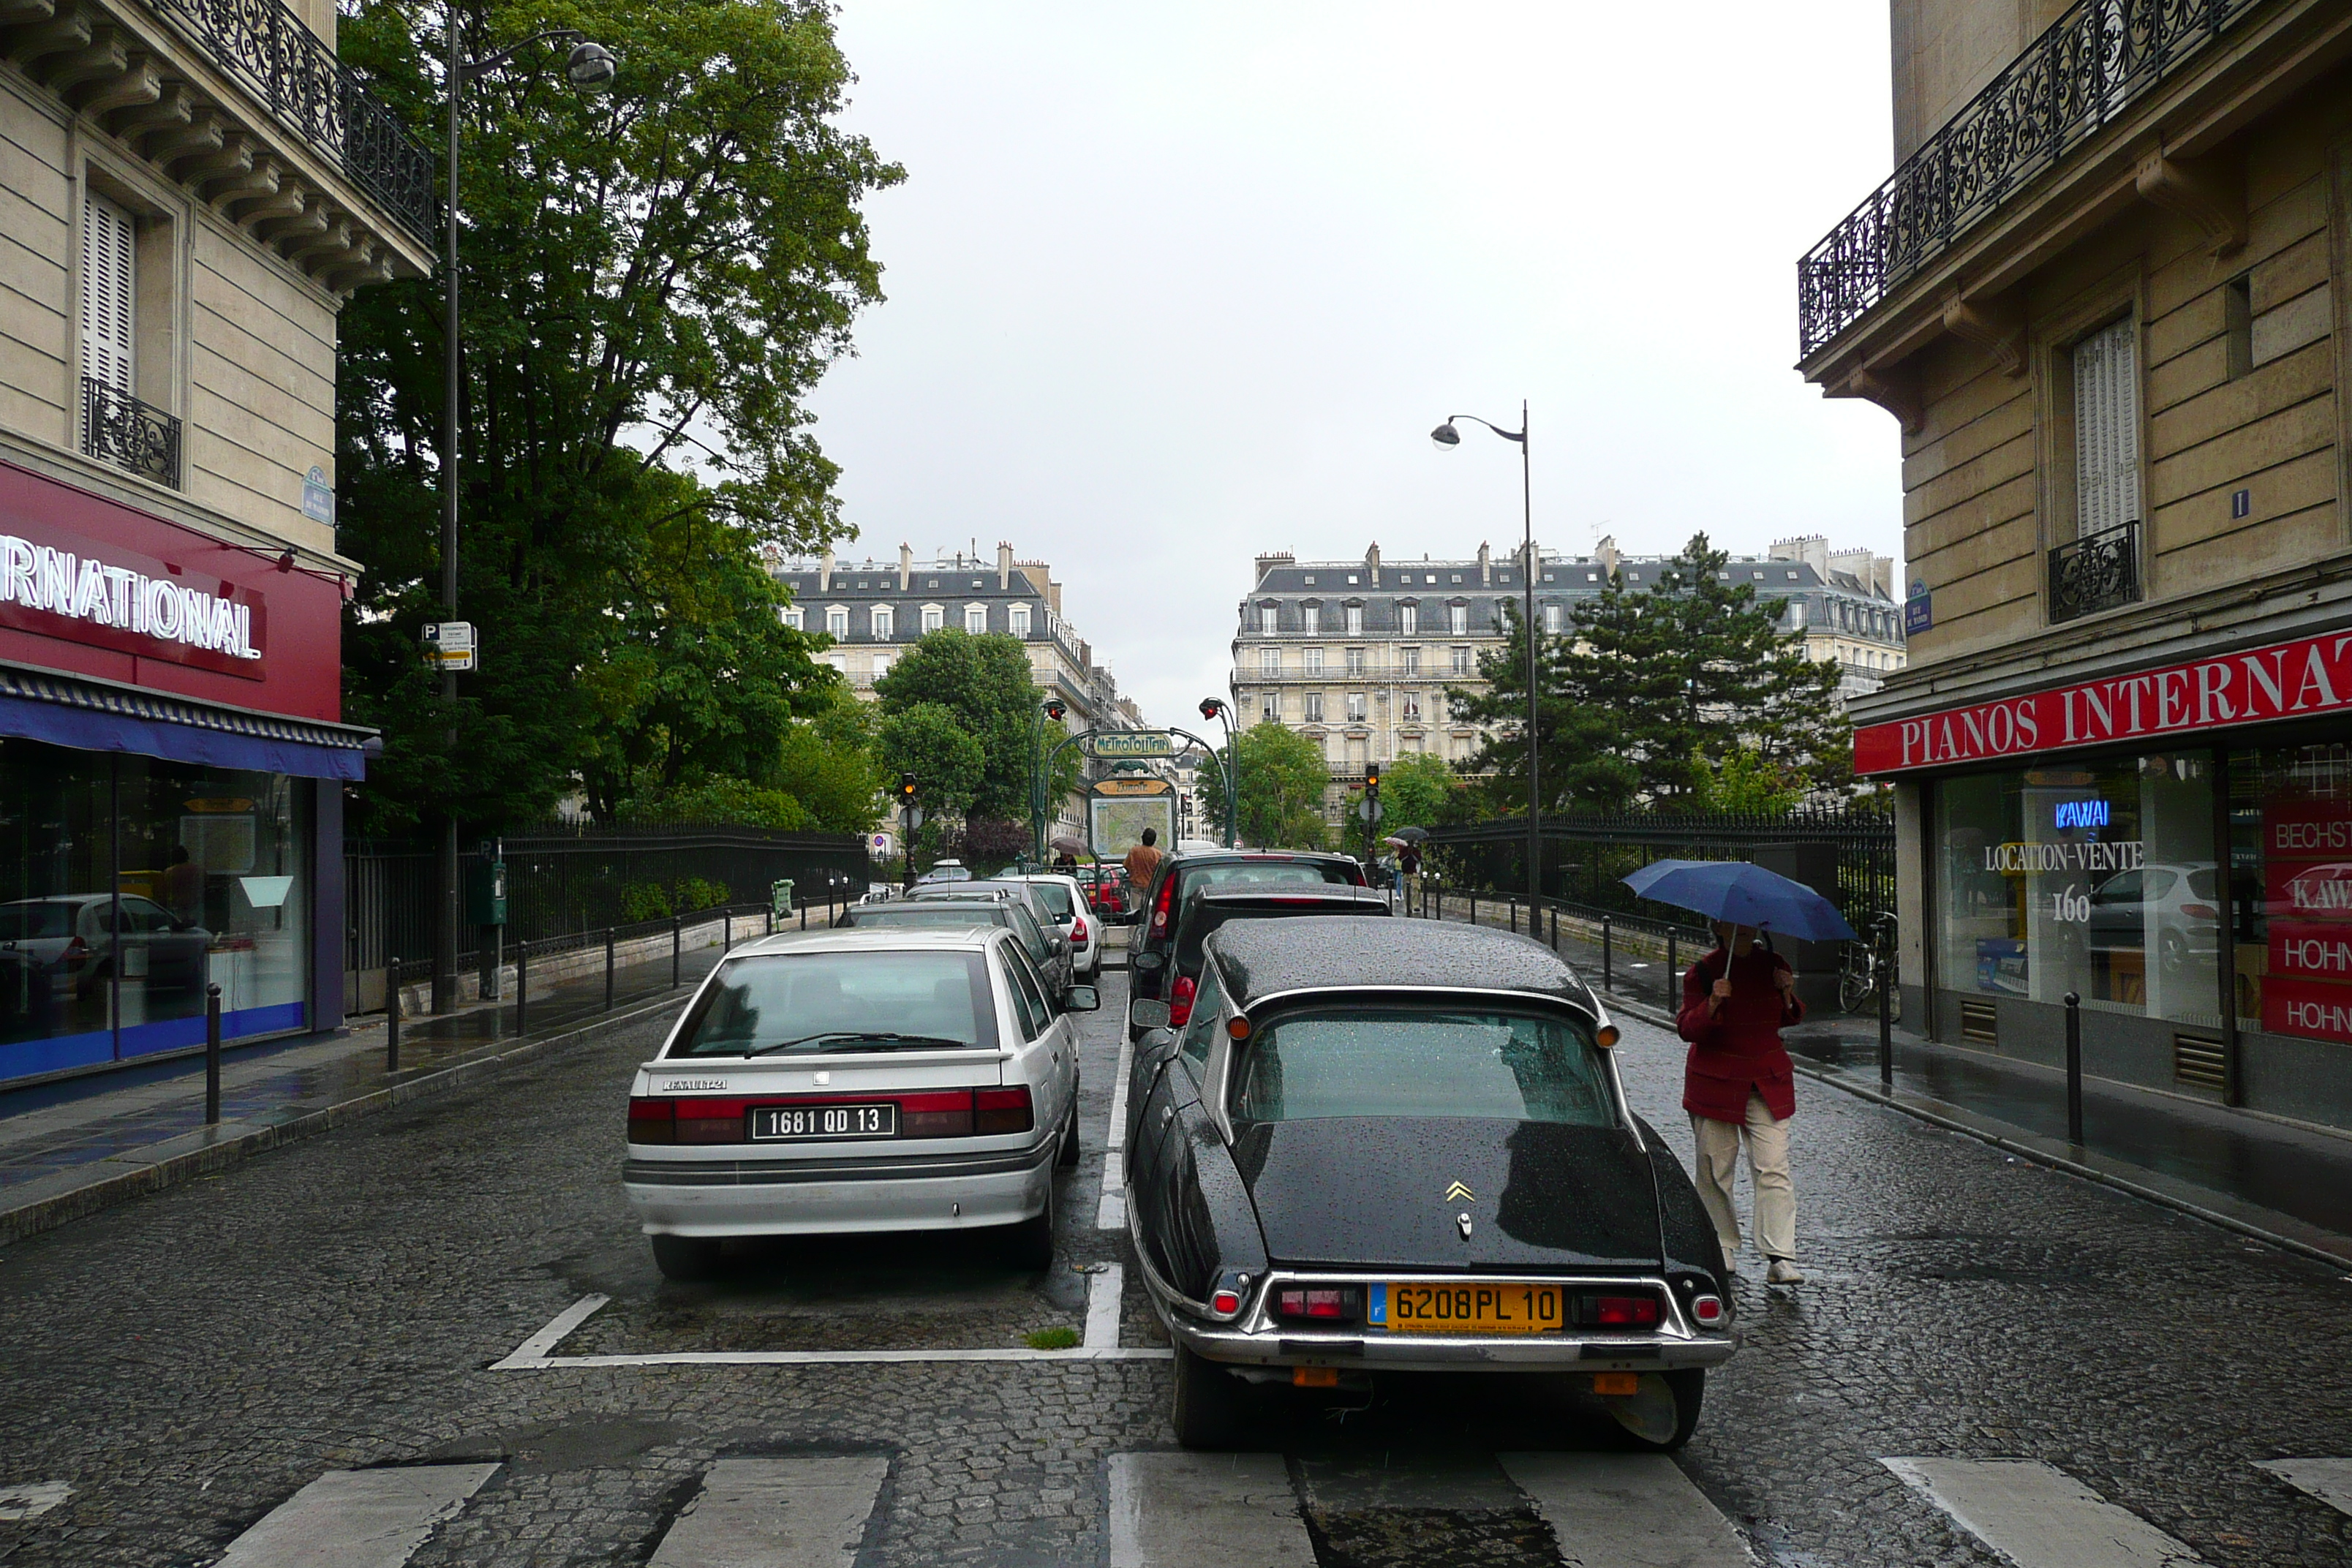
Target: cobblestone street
column 180, row 1367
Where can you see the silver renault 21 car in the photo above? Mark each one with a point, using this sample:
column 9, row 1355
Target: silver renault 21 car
column 858, row 1080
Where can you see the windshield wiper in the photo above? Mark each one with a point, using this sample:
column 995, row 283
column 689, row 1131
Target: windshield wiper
column 877, row 1038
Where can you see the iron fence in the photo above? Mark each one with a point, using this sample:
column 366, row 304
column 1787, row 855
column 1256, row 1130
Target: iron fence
column 567, row 882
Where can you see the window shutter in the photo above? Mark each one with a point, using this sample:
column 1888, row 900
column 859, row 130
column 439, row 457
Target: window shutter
column 2106, row 428
column 106, row 282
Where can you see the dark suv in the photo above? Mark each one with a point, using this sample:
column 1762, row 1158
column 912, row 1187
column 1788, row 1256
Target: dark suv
column 1180, row 876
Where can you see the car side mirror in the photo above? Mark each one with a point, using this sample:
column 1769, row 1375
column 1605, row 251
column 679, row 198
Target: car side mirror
column 1081, row 999
column 1146, row 1015
column 1149, row 962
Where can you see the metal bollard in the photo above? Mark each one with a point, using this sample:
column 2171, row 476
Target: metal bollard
column 522, row 983
column 392, row 1015
column 726, row 929
column 2074, row 1067
column 1515, row 917
column 804, row 917
column 676, row 946
column 211, row 1054
column 1885, row 1008
column 608, row 969
column 1672, row 963
column 1474, row 906
column 1607, row 980
column 1555, row 929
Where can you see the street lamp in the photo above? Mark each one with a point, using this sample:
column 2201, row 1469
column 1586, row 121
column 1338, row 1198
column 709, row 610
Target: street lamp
column 590, row 67
column 1218, row 708
column 1051, row 708
column 1448, row 436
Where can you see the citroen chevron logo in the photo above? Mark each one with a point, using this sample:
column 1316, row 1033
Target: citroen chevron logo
column 1458, row 1193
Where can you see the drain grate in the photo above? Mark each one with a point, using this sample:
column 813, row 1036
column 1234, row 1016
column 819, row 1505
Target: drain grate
column 1978, row 1023
column 2197, row 1062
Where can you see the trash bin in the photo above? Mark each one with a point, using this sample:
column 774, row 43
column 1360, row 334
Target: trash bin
column 780, row 895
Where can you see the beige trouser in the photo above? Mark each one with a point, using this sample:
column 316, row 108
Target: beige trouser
column 1768, row 1161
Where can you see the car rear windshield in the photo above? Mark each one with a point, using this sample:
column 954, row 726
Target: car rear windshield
column 24, row 921
column 941, row 912
column 1202, row 917
column 1261, row 873
column 1396, row 1062
column 1058, row 899
column 802, row 1002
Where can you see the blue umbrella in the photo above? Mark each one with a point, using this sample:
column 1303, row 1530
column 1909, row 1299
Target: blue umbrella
column 1743, row 894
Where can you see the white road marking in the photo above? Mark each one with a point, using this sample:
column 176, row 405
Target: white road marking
column 1102, row 1307
column 357, row 1519
column 1626, row 1510
column 1111, row 1212
column 2329, row 1481
column 2038, row 1515
column 1118, row 1098
column 807, row 1511
column 1206, row 1510
column 536, row 1348
column 30, row 1500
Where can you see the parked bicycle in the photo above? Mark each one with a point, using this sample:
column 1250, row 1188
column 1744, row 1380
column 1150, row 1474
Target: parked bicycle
column 1868, row 964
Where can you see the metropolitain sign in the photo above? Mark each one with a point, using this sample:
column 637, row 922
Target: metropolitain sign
column 2303, row 679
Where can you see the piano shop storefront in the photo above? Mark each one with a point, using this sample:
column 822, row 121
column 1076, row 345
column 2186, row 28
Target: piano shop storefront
column 171, row 786
column 2173, row 846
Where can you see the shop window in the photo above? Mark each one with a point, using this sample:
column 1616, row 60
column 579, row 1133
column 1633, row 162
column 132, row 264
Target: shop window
column 2291, row 889
column 2097, row 878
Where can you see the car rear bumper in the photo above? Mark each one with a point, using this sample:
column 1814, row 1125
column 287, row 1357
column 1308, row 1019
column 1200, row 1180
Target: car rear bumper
column 800, row 1197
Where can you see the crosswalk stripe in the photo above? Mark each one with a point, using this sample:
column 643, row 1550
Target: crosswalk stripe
column 1206, row 1510
column 1103, row 1300
column 1626, row 1510
column 2329, row 1481
column 357, row 1519
column 2038, row 1515
column 805, row 1511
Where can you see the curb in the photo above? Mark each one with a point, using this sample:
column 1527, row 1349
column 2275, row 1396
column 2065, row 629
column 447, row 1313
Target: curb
column 216, row 1149
column 2024, row 1150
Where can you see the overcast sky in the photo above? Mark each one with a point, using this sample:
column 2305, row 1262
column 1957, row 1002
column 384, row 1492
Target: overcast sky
column 1173, row 285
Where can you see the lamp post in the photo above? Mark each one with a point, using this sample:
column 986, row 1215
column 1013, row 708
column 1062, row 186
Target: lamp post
column 1218, row 708
column 1448, row 436
column 591, row 69
column 1051, row 708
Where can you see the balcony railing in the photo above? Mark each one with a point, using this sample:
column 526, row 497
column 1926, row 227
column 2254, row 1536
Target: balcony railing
column 118, row 428
column 267, row 48
column 2097, row 571
column 2096, row 61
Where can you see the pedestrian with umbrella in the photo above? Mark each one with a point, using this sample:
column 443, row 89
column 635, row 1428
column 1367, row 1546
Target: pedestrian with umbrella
column 1738, row 1084
column 1407, row 841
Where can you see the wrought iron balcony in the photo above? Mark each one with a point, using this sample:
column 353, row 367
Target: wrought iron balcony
column 118, row 428
column 2096, row 572
column 2096, row 61
column 266, row 47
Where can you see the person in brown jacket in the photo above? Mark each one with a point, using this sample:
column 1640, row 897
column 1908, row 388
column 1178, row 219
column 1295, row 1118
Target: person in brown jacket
column 1738, row 1082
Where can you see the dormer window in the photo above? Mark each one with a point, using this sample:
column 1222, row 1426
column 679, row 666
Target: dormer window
column 934, row 617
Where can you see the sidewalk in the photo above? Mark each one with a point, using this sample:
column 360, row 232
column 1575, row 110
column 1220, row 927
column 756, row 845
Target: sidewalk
column 2279, row 1180
column 71, row 1147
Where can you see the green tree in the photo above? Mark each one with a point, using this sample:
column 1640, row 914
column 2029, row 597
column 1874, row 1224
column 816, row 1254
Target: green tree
column 1416, row 791
column 1283, row 776
column 827, row 763
column 1745, row 780
column 931, row 741
column 654, row 280
column 1582, row 743
column 984, row 682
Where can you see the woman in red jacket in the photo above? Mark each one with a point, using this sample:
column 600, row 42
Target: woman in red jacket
column 1738, row 1081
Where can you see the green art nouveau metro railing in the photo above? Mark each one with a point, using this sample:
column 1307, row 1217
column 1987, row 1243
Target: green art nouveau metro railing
column 2093, row 63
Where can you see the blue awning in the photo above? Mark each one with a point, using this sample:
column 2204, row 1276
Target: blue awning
column 98, row 717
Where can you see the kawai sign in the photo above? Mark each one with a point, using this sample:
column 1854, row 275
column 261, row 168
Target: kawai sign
column 91, row 593
column 2305, row 679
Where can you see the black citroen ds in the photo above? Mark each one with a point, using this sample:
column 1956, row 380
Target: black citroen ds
column 1402, row 1146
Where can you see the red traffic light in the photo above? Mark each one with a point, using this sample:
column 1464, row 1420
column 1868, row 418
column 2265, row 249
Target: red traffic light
column 1209, row 706
column 1054, row 710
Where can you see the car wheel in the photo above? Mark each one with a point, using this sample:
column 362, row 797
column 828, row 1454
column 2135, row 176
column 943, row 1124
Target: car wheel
column 1033, row 1239
column 1068, row 1158
column 686, row 1257
column 1662, row 1416
column 1211, row 1409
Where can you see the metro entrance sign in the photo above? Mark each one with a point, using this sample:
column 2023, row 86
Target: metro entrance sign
column 2303, row 679
column 1129, row 744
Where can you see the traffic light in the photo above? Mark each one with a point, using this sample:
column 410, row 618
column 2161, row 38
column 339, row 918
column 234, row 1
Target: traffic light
column 907, row 788
column 1209, row 706
column 1055, row 709
column 1372, row 777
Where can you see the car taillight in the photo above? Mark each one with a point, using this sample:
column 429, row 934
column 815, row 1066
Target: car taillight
column 1225, row 1303
column 935, row 1115
column 1078, row 928
column 652, row 1121
column 1619, row 1311
column 1707, row 1310
column 76, row 951
column 710, row 1121
column 1004, row 1110
column 1180, row 1002
column 1159, row 909
column 2200, row 912
column 1321, row 1304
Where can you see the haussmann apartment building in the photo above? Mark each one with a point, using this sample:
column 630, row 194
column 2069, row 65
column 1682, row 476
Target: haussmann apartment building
column 190, row 190
column 2101, row 297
